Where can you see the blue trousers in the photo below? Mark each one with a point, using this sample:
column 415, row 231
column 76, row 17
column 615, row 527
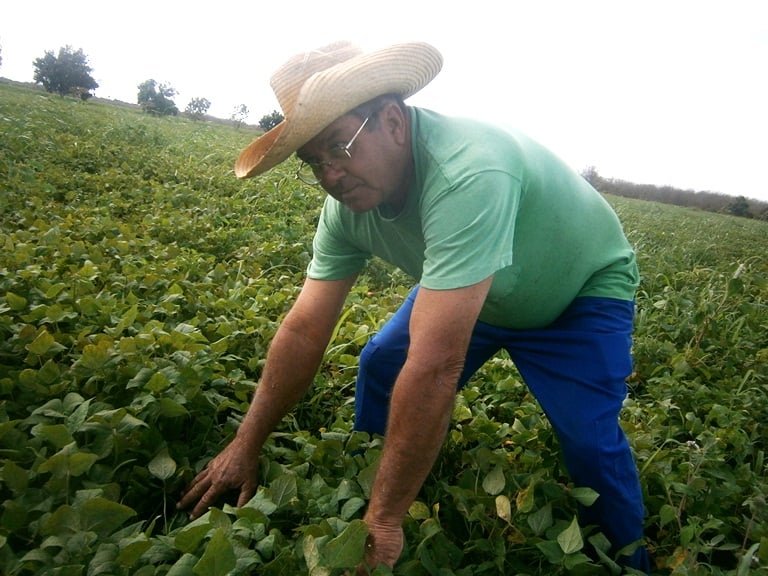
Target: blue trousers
column 576, row 368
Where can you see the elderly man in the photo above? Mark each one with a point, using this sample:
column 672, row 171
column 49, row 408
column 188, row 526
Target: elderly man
column 510, row 250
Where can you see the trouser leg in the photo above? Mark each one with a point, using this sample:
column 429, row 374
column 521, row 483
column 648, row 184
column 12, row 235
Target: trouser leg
column 577, row 370
column 382, row 358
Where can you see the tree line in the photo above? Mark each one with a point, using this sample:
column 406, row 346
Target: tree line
column 69, row 74
column 707, row 201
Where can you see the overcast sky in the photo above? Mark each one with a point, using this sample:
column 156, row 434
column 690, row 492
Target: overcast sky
column 656, row 91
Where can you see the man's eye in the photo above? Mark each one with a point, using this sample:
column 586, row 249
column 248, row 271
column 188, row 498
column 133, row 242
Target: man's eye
column 337, row 150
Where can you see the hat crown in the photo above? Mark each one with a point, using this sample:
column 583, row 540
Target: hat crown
column 288, row 80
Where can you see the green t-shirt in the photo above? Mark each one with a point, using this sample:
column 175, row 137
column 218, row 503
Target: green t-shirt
column 485, row 201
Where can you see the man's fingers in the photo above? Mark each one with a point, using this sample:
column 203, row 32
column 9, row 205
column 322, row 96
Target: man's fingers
column 197, row 488
column 246, row 493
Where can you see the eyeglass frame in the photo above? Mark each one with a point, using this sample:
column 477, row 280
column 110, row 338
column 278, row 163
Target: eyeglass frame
column 335, row 152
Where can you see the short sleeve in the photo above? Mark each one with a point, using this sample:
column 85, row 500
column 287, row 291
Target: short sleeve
column 469, row 229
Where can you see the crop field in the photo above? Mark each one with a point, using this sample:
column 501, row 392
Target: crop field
column 140, row 286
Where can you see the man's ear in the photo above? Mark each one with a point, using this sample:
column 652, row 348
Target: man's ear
column 394, row 121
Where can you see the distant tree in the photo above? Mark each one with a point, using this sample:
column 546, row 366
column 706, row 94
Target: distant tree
column 270, row 120
column 591, row 175
column 156, row 99
column 239, row 114
column 197, row 108
column 740, row 207
column 67, row 75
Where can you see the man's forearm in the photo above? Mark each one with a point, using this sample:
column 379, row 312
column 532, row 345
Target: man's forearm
column 292, row 361
column 420, row 412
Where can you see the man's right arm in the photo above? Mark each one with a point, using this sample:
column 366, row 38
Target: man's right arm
column 292, row 361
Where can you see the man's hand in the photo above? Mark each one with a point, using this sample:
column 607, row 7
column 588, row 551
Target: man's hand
column 235, row 468
column 384, row 544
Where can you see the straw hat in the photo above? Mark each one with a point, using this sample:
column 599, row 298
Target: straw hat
column 317, row 87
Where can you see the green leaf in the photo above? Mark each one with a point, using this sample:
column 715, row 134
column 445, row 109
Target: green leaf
column 262, row 502
column 494, row 482
column 126, row 321
column 15, row 477
column 667, row 514
column 56, row 434
column 541, row 519
column 745, row 564
column 585, row 496
column 104, row 516
column 49, row 372
column 219, row 557
column 570, row 539
column 16, row 303
column 551, row 550
column 81, row 462
column 351, row 507
column 283, row 490
column 75, row 421
column 132, row 551
column 348, row 548
column 96, row 356
column 189, row 537
column 171, row 409
column 157, row 383
column 184, row 566
column 162, row 466
column 64, row 521
column 42, row 344
column 68, row 461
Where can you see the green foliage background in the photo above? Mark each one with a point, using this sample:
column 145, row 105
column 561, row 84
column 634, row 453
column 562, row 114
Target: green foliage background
column 140, row 286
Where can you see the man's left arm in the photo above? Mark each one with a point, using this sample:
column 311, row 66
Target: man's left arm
column 420, row 409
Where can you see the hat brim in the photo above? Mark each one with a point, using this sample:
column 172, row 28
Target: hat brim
column 402, row 69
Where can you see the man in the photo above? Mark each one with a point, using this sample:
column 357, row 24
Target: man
column 511, row 250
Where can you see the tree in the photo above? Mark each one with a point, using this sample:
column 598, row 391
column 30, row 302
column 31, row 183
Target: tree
column 239, row 115
column 739, row 207
column 156, row 99
column 67, row 75
column 270, row 120
column 591, row 175
column 197, row 108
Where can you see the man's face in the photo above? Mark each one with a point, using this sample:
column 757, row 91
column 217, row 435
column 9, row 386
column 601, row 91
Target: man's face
column 377, row 168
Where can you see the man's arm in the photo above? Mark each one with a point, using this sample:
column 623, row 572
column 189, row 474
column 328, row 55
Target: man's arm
column 420, row 409
column 292, row 361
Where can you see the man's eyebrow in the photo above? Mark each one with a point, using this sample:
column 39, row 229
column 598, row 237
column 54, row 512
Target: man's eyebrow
column 322, row 145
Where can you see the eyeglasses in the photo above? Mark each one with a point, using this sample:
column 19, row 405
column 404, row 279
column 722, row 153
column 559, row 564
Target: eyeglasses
column 311, row 172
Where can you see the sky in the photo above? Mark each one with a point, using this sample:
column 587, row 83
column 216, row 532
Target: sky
column 663, row 92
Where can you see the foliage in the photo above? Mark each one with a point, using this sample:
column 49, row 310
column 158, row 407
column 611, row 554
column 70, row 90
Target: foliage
column 239, row 115
column 140, row 286
column 269, row 121
column 197, row 108
column 67, row 74
column 156, row 99
column 710, row 201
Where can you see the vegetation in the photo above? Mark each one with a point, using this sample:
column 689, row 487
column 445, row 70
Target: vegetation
column 157, row 99
column 239, row 115
column 67, row 74
column 269, row 121
column 709, row 201
column 140, row 285
column 197, row 108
